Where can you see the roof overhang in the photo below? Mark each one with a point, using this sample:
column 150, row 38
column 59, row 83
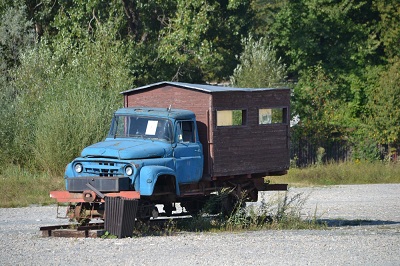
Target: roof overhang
column 199, row 87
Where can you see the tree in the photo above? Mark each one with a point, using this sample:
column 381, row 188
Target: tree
column 201, row 40
column 264, row 15
column 340, row 36
column 316, row 102
column 16, row 36
column 388, row 26
column 259, row 66
column 183, row 42
column 384, row 104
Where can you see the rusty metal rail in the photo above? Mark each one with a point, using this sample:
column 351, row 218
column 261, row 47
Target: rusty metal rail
column 73, row 230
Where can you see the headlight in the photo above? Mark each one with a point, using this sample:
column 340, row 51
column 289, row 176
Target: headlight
column 78, row 168
column 128, row 170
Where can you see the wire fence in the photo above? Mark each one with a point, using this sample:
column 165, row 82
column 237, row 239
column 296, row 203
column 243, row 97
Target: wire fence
column 304, row 152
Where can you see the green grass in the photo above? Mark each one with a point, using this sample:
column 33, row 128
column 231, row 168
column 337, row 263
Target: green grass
column 20, row 188
column 344, row 173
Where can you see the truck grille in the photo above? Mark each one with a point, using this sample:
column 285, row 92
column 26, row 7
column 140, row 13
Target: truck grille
column 104, row 169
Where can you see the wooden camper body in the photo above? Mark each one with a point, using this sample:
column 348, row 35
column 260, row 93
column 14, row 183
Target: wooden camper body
column 250, row 149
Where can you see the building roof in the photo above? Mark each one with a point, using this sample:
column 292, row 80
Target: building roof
column 199, row 87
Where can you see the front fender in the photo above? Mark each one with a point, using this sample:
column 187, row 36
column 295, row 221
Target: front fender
column 69, row 172
column 148, row 178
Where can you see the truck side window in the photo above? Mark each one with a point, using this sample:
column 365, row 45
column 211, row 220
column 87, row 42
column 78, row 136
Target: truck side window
column 186, row 131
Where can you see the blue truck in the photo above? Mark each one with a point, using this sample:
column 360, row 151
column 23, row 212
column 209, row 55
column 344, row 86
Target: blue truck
column 164, row 155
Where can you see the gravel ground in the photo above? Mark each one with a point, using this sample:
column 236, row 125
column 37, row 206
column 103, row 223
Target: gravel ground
column 364, row 219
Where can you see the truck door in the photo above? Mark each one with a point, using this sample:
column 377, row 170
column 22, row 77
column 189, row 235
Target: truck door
column 188, row 153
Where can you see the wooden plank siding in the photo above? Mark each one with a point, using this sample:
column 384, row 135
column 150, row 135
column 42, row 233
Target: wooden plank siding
column 251, row 148
column 230, row 150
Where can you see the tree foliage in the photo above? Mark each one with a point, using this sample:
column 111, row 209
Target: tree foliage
column 183, row 43
column 69, row 105
column 388, row 26
column 258, row 65
column 384, row 104
column 338, row 35
column 60, row 60
column 200, row 41
column 317, row 102
column 16, row 36
column 349, row 42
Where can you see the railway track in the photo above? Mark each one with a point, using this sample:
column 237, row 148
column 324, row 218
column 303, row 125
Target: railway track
column 91, row 230
column 95, row 230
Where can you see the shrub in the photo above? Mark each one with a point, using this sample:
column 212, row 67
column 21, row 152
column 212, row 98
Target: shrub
column 67, row 95
column 259, row 65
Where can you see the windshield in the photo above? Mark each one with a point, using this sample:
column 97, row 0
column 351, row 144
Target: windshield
column 128, row 126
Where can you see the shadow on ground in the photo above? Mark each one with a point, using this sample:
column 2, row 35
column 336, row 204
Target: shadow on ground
column 357, row 222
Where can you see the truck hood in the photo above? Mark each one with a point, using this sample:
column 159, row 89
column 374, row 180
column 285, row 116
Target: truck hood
column 126, row 149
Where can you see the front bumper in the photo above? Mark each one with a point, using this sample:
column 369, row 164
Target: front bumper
column 90, row 196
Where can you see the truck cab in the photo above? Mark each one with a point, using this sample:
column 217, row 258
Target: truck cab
column 150, row 151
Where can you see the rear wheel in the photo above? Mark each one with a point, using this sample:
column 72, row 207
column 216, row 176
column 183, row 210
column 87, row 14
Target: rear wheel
column 230, row 204
column 194, row 206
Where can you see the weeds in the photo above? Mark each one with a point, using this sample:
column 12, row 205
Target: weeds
column 20, row 187
column 143, row 228
column 278, row 213
column 108, row 235
column 281, row 212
